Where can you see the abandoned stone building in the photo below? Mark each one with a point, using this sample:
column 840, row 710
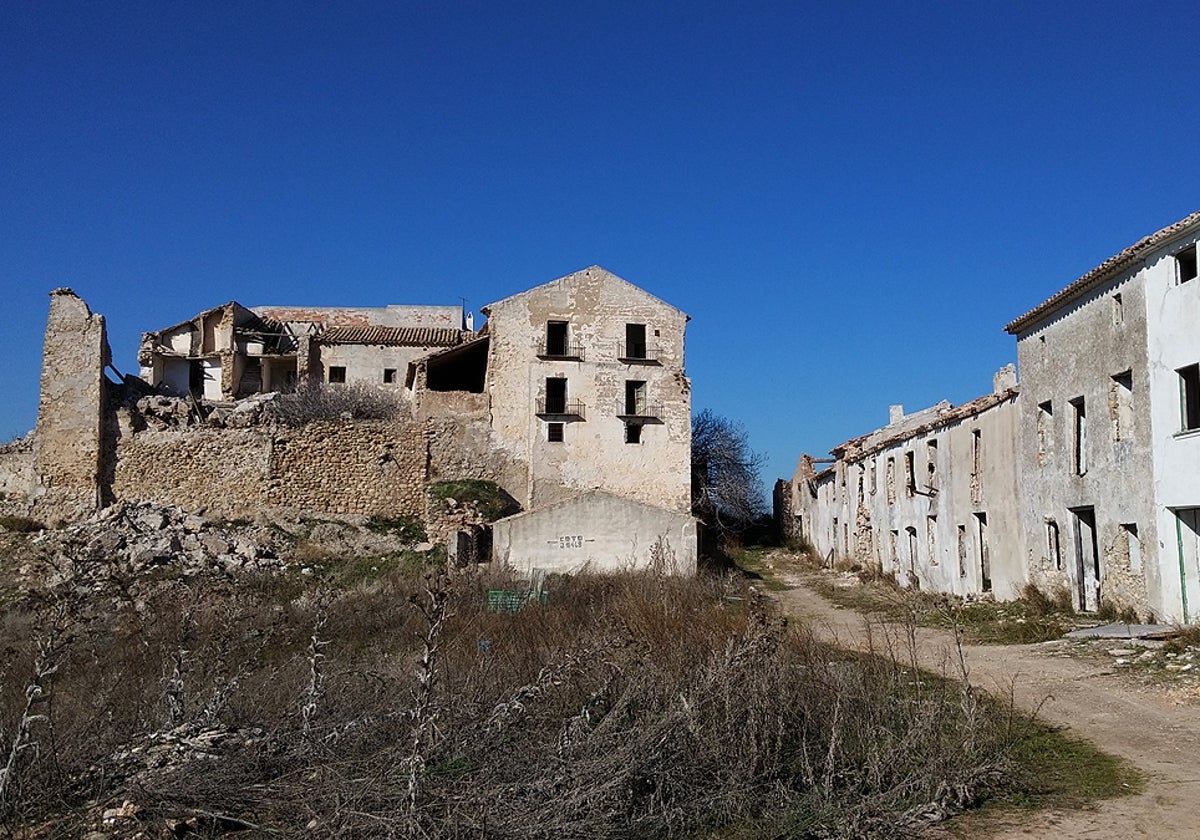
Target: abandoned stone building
column 1086, row 476
column 572, row 398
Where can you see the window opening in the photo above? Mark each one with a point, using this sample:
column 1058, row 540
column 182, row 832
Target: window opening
column 633, row 432
column 1053, row 545
column 337, row 375
column 912, row 550
column 1189, row 397
column 556, row 338
column 635, row 341
column 931, row 534
column 1079, row 438
column 931, row 452
column 635, row 397
column 962, row 551
column 891, row 481
column 1120, row 405
column 556, row 395
column 554, row 432
column 985, row 560
column 389, row 376
column 1133, row 546
column 1185, row 262
column 910, row 480
column 1118, row 310
column 1045, row 419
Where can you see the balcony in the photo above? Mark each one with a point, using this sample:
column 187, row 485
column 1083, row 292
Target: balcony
column 558, row 409
column 560, row 350
column 641, row 413
column 637, row 354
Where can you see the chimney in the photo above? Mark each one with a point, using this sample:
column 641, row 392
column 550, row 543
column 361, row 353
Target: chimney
column 895, row 414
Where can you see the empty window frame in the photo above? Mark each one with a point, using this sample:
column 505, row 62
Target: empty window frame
column 874, row 476
column 556, row 338
column 985, row 560
column 1045, row 427
column 910, row 478
column 389, row 376
column 633, row 432
column 1189, row 397
column 635, row 341
column 556, row 395
column 635, row 398
column 555, row 432
column 931, row 455
column 1133, row 545
column 962, row 551
column 1053, row 544
column 931, row 536
column 1118, row 310
column 891, row 481
column 337, row 374
column 1120, row 405
column 1079, row 436
column 976, row 451
column 1185, row 264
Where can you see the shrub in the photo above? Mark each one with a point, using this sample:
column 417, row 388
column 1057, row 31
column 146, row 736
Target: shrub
column 352, row 401
column 488, row 497
column 408, row 528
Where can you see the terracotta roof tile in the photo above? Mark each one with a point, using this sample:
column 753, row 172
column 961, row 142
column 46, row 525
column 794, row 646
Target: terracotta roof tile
column 394, row 336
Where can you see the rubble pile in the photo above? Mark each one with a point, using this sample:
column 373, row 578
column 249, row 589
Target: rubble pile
column 133, row 540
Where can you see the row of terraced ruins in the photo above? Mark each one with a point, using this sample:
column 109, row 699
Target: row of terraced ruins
column 1082, row 473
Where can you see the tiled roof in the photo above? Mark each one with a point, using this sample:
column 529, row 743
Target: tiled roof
column 868, row 444
column 393, row 336
column 1102, row 273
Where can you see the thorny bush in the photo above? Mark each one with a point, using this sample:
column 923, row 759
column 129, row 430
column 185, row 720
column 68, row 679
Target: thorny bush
column 632, row 705
column 351, row 401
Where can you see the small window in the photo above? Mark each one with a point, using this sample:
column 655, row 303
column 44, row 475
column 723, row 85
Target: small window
column 1185, row 263
column 1133, row 545
column 337, row 375
column 635, row 341
column 633, row 432
column 1189, row 397
column 931, row 536
column 1118, row 310
column 910, row 480
column 1053, row 546
column 891, row 481
column 931, row 452
column 976, row 451
column 1120, row 405
column 1045, row 424
column 554, row 432
column 1079, row 439
column 389, row 376
column 556, row 338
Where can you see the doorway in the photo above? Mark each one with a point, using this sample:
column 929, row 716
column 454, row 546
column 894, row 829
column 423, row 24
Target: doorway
column 1087, row 560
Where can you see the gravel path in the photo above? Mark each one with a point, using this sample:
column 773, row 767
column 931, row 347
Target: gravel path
column 1141, row 724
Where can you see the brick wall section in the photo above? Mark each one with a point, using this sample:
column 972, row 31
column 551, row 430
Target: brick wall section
column 69, row 437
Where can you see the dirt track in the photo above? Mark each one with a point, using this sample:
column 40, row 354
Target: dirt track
column 1142, row 725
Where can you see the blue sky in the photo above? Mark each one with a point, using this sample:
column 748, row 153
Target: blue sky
column 849, row 199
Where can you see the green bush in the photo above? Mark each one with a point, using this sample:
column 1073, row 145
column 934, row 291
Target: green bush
column 487, row 496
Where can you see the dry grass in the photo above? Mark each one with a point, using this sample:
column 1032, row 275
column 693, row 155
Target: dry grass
column 634, row 705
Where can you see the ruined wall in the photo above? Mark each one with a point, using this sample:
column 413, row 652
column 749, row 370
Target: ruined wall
column 373, row 468
column 69, row 441
column 17, row 476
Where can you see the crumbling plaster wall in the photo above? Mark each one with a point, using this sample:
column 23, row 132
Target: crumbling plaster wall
column 1074, row 354
column 17, row 476
column 593, row 454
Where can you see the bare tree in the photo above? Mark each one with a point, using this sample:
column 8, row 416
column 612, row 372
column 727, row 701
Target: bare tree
column 726, row 486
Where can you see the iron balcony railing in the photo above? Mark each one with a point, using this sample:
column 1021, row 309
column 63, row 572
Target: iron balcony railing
column 558, row 350
column 560, row 408
column 631, row 353
column 641, row 412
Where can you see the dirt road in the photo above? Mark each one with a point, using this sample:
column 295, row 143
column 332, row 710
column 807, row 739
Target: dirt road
column 1142, row 725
